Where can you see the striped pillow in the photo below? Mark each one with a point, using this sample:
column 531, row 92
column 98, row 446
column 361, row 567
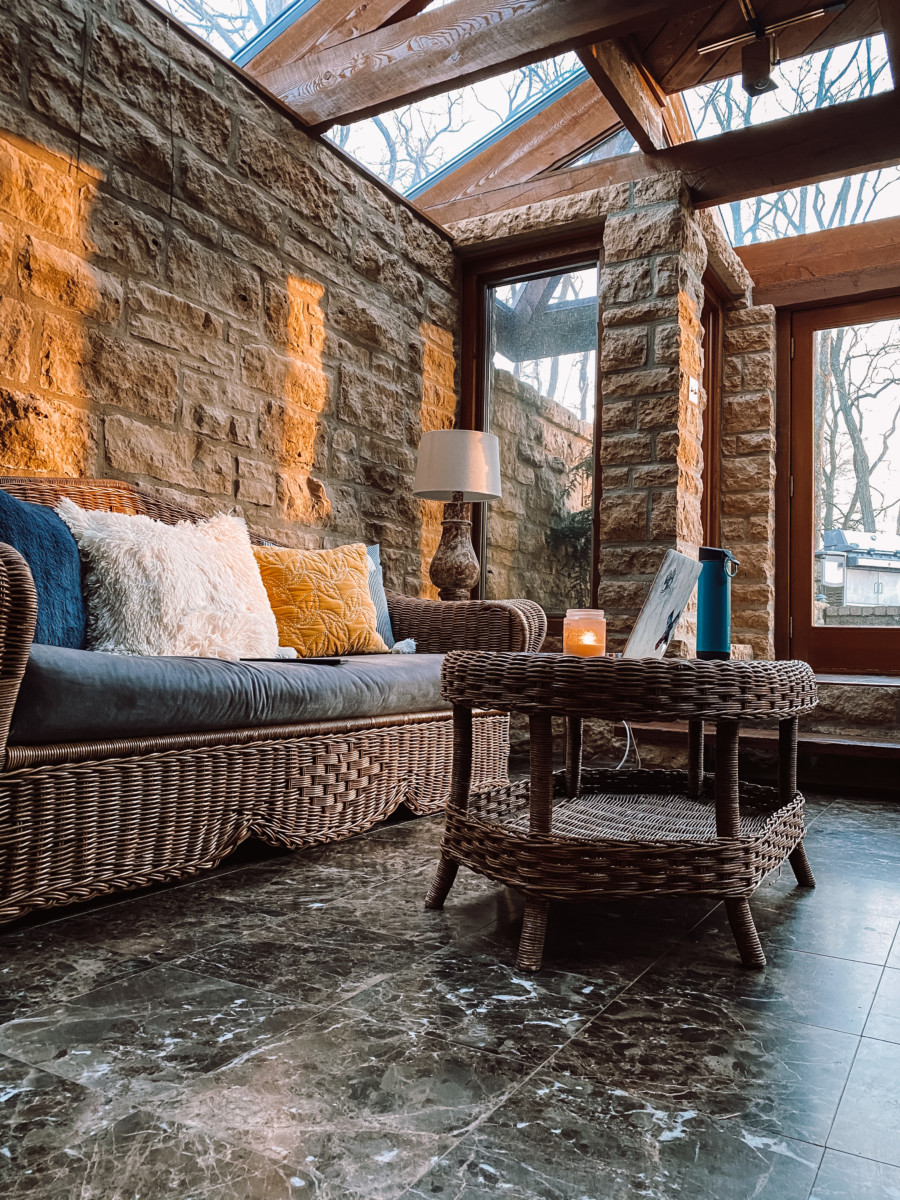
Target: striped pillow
column 379, row 599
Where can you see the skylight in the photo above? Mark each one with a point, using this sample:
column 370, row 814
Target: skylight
column 828, row 77
column 409, row 145
column 620, row 142
column 230, row 24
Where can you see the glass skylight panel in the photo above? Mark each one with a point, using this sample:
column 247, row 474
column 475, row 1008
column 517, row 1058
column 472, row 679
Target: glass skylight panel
column 804, row 84
column 230, row 24
column 620, row 142
column 818, row 80
column 407, row 145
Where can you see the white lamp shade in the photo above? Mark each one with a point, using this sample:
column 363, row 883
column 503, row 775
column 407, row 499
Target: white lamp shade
column 458, row 460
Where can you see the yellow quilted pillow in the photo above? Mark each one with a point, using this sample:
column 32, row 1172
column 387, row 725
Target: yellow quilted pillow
column 321, row 599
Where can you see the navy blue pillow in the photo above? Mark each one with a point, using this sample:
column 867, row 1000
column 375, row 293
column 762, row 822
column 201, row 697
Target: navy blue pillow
column 44, row 541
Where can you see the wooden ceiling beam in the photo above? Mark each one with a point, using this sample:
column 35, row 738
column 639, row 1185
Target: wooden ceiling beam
column 830, row 265
column 637, row 104
column 860, row 135
column 326, row 24
column 889, row 12
column 457, row 44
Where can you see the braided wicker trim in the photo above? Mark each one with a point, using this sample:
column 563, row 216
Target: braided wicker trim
column 649, row 689
column 492, row 838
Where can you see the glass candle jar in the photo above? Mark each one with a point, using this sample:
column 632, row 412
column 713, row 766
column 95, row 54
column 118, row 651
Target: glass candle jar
column 584, row 632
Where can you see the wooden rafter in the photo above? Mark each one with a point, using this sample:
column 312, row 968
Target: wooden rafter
column 560, row 130
column 327, row 23
column 638, row 105
column 457, row 44
column 860, row 135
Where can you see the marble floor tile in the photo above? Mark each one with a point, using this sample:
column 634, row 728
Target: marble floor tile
column 868, row 1120
column 846, row 1177
column 145, row 1034
column 58, row 961
column 894, row 956
column 834, row 993
column 564, row 1138
column 854, row 919
column 367, row 1106
column 486, row 1003
column 144, row 1155
column 696, row 1052
column 884, row 1019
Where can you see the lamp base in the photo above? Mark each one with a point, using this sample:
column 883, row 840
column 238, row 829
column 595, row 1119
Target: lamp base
column 454, row 569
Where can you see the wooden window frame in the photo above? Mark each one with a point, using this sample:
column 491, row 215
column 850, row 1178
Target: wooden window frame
column 479, row 275
column 838, row 649
column 713, row 323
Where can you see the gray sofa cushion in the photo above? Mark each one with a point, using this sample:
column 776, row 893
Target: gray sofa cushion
column 82, row 695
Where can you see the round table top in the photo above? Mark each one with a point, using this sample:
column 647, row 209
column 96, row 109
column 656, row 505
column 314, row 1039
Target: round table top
column 622, row 688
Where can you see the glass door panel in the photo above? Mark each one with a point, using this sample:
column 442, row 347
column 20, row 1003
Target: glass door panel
column 540, row 400
column 845, row 516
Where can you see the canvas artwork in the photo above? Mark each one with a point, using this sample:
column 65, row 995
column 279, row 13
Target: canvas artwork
column 658, row 619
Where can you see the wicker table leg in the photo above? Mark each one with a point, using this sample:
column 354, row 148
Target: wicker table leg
column 460, row 785
column 573, row 755
column 534, row 930
column 787, row 788
column 728, row 825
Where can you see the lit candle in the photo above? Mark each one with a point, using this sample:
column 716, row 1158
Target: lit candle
column 584, row 632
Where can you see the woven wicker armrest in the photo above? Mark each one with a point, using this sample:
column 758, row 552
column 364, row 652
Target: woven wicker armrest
column 439, row 626
column 18, row 614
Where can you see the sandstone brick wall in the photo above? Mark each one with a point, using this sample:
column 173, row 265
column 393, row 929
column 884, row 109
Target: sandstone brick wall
column 533, row 550
column 197, row 296
column 652, row 295
column 747, row 472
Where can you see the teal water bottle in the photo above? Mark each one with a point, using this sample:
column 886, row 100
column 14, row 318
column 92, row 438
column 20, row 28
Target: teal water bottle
column 714, row 602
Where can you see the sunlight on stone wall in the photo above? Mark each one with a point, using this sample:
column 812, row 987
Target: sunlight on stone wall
column 438, row 412
column 46, row 289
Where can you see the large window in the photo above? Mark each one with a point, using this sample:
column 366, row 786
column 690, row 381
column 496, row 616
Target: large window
column 540, row 398
column 845, row 529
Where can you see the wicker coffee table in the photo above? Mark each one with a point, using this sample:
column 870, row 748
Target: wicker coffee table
column 585, row 834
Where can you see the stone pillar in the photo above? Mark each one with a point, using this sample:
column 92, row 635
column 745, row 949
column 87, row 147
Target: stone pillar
column 651, row 292
column 747, row 472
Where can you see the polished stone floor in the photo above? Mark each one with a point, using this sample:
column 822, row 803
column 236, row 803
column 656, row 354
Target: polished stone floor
column 297, row 1025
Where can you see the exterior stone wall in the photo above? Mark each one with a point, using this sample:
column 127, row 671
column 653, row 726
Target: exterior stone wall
column 197, row 296
column 747, row 472
column 535, row 548
column 651, row 292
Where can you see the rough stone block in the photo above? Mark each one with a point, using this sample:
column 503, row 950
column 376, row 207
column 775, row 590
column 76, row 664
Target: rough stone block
column 623, row 517
column 231, row 200
column 138, row 449
column 137, row 141
column 285, row 377
column 665, row 308
column 645, row 233
column 366, row 323
column 200, row 117
column 16, row 328
column 370, row 404
column 624, row 285
column 213, row 279
column 757, row 371
column 667, row 344
column 427, row 249
column 132, row 376
column 117, row 58
column 625, row 448
column 288, row 434
column 383, row 266
column 7, row 246
column 623, row 348
column 286, row 176
column 9, row 57
column 54, row 91
column 120, row 232
column 65, row 279
column 42, row 436
column 646, row 382
column 745, row 339
column 658, row 412
column 747, row 413
column 38, row 192
column 256, row 482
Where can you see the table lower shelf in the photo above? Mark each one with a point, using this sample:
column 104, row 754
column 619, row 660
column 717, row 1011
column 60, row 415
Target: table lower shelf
column 627, row 833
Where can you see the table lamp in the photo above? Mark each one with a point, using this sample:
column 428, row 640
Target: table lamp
column 460, row 467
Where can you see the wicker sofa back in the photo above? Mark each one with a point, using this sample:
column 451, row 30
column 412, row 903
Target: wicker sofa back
column 82, row 819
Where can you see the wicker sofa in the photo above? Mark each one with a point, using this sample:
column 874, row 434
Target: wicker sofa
column 87, row 816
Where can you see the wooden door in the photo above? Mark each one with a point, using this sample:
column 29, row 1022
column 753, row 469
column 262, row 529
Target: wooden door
column 845, row 484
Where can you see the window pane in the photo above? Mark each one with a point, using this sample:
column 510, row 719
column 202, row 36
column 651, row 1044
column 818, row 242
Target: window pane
column 856, row 396
column 541, row 395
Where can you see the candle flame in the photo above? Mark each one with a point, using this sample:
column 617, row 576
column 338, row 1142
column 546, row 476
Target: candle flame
column 589, row 638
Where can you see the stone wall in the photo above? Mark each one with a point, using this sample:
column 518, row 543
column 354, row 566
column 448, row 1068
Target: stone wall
column 651, row 292
column 197, row 296
column 536, row 545
column 747, row 472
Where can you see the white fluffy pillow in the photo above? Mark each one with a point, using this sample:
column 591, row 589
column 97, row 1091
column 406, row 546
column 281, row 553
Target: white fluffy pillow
column 186, row 589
